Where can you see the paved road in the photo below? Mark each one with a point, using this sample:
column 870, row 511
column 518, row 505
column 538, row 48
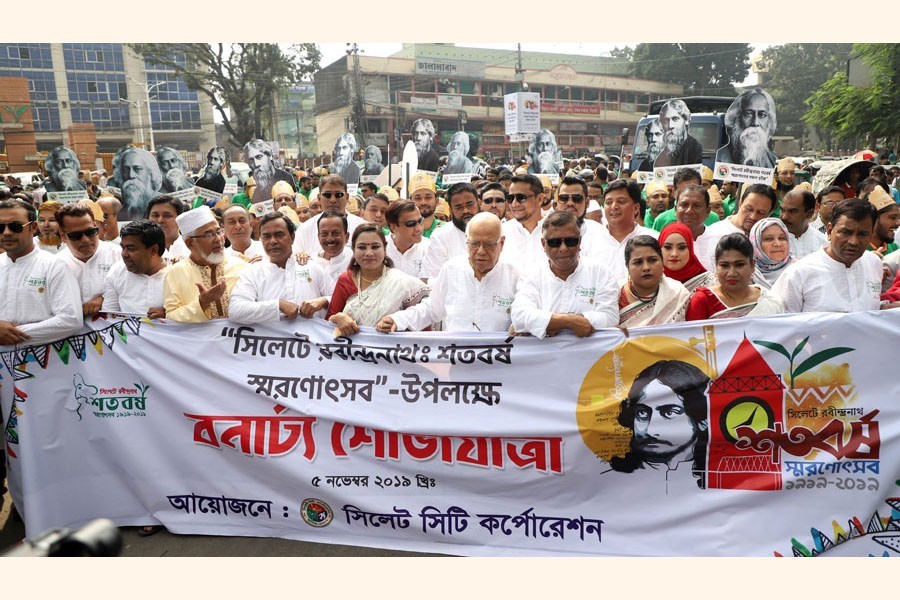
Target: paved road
column 164, row 543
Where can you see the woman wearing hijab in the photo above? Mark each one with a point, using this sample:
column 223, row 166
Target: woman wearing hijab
column 771, row 251
column 679, row 260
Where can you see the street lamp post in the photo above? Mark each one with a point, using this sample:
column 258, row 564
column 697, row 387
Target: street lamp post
column 137, row 105
column 147, row 90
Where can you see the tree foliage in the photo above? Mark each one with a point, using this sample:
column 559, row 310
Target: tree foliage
column 703, row 69
column 871, row 111
column 793, row 72
column 241, row 80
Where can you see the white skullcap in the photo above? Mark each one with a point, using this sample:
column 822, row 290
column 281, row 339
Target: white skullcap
column 194, row 219
column 592, row 206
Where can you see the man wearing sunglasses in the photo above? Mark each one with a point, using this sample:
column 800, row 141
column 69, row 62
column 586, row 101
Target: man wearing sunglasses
column 573, row 198
column 564, row 291
column 449, row 242
column 493, row 199
column 88, row 258
column 332, row 197
column 406, row 245
column 39, row 296
column 198, row 288
column 523, row 231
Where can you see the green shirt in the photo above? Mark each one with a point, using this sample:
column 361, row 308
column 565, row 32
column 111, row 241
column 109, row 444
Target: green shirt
column 728, row 205
column 241, row 199
column 437, row 223
column 669, row 217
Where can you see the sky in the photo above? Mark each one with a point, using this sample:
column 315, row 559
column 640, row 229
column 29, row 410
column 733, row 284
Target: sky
column 331, row 51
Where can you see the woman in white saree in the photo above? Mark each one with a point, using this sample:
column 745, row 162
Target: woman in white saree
column 649, row 297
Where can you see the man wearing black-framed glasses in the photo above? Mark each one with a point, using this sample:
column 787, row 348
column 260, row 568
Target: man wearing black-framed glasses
column 89, row 258
column 332, row 196
column 565, row 291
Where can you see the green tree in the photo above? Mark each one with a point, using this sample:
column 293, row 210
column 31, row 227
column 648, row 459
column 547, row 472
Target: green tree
column 241, row 80
column 792, row 72
column 871, row 111
column 703, row 69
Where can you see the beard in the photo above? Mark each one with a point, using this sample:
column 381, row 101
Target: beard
column 66, row 180
column 341, row 161
column 785, row 187
column 176, row 180
column 674, row 140
column 422, row 147
column 545, row 162
column 213, row 258
column 210, row 172
column 264, row 177
column 50, row 239
column 137, row 192
column 653, row 151
column 460, row 224
column 753, row 148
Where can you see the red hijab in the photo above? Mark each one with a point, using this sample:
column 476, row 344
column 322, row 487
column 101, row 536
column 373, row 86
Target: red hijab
column 693, row 266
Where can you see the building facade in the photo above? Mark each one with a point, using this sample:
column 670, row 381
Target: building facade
column 586, row 101
column 126, row 99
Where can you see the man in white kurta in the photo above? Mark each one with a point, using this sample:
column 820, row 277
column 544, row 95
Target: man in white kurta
column 135, row 285
column 470, row 293
column 279, row 287
column 238, row 230
column 756, row 203
column 412, row 260
column 797, row 208
column 522, row 233
column 564, row 291
column 621, row 206
column 842, row 276
column 446, row 242
column 39, row 297
column 333, row 196
column 88, row 258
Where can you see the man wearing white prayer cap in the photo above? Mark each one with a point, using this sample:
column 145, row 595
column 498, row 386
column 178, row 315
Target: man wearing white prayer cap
column 198, row 288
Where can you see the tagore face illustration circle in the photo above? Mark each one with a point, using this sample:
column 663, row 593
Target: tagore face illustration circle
column 609, row 379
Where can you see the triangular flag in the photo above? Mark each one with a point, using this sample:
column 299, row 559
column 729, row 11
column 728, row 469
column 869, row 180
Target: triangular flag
column 77, row 343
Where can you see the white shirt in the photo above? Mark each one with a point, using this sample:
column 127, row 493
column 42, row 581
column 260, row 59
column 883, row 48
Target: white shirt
column 253, row 250
column 462, row 302
column 307, row 238
column 705, row 245
column 817, row 224
column 590, row 239
column 811, row 240
column 176, row 251
column 91, row 273
column 41, row 295
column 411, row 261
column 818, row 283
column 50, row 249
column 446, row 243
column 611, row 252
column 520, row 245
column 334, row 267
column 255, row 296
column 589, row 291
column 133, row 293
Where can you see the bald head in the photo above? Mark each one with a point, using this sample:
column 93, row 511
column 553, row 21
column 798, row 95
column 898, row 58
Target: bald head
column 484, row 240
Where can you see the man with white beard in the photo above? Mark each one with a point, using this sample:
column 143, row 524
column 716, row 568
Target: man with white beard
column 260, row 156
column 198, row 288
column 679, row 146
column 750, row 122
column 344, row 150
column 545, row 155
column 457, row 149
column 373, row 161
column 62, row 167
column 137, row 174
column 173, row 168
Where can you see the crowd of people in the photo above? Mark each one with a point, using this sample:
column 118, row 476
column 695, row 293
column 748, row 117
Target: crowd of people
column 509, row 251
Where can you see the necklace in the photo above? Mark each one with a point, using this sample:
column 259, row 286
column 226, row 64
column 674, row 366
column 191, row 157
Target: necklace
column 638, row 296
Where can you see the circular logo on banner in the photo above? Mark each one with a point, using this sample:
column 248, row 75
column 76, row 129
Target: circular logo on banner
column 723, row 172
column 609, row 380
column 660, row 174
column 316, row 513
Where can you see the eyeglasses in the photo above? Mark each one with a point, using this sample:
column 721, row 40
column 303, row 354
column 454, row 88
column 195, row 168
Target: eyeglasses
column 14, row 227
column 598, row 197
column 571, row 242
column 210, row 235
column 574, row 198
column 520, row 198
column 77, row 235
column 414, row 222
column 330, row 195
column 485, row 245
column 490, row 201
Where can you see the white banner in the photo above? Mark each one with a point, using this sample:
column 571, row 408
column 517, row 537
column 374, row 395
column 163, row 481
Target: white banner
column 522, row 112
column 420, row 103
column 733, row 172
column 66, row 197
column 745, row 437
column 448, row 180
column 663, row 174
column 449, row 101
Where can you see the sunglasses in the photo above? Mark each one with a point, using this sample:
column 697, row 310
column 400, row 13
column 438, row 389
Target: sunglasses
column 490, row 201
column 329, row 195
column 574, row 198
column 520, row 198
column 14, row 227
column 77, row 235
column 571, row 242
column 414, row 222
